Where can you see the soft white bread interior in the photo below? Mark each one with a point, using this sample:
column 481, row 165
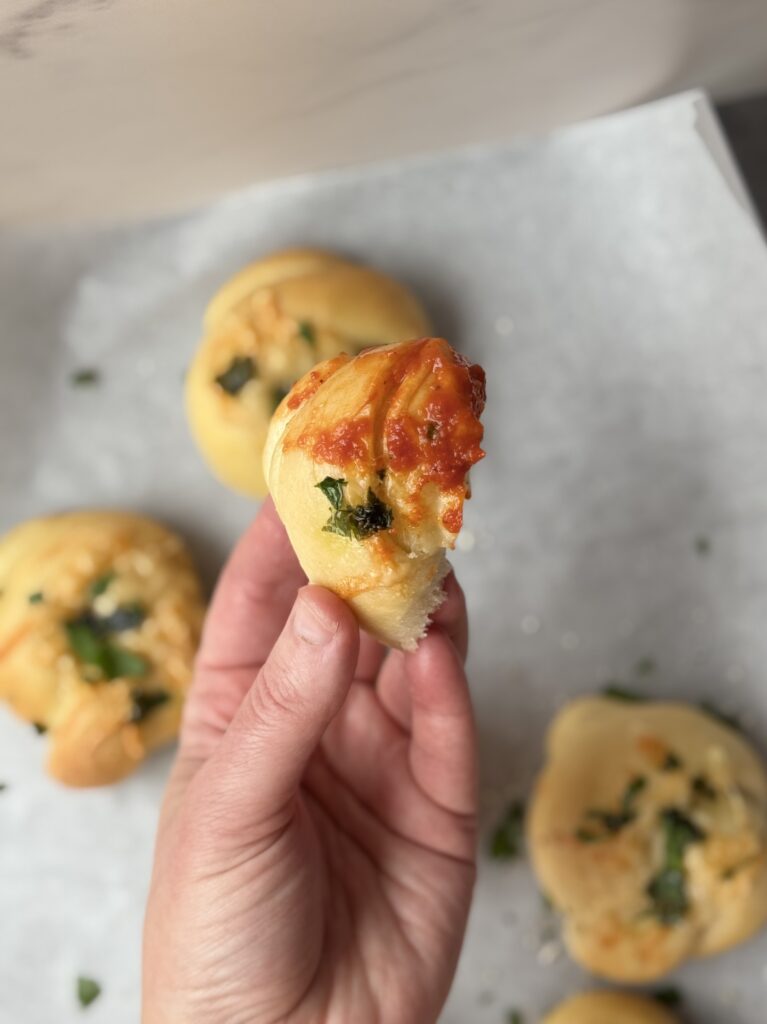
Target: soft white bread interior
column 367, row 462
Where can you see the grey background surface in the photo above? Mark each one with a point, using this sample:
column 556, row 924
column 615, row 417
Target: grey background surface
column 615, row 289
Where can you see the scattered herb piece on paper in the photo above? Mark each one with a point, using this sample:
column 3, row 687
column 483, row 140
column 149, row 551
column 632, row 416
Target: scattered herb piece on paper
column 88, row 991
column 617, row 691
column 508, row 839
column 86, row 377
column 702, row 545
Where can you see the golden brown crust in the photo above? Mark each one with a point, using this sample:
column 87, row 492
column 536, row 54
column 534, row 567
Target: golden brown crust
column 337, row 424
column 51, row 570
column 622, row 782
column 610, row 1008
column 284, row 313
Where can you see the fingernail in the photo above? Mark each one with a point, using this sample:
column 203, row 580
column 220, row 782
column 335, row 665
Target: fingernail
column 310, row 623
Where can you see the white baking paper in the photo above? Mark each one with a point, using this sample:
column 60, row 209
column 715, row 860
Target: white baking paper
column 613, row 283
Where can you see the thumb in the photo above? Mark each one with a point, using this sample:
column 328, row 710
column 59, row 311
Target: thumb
column 257, row 767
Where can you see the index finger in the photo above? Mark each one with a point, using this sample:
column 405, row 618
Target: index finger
column 253, row 597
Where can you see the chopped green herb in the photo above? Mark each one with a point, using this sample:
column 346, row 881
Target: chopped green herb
column 3, row 786
column 669, row 996
column 431, row 431
column 306, row 331
column 667, row 889
column 702, row 545
column 123, row 664
column 646, row 666
column 333, row 490
column 278, row 393
column 39, row 728
column 357, row 521
column 584, row 835
column 671, row 763
column 515, row 1017
column 124, row 617
column 722, row 716
column 87, row 377
column 634, row 788
column 702, row 787
column 613, row 821
column 236, row 375
column 101, row 585
column 144, row 702
column 92, row 647
column 36, row 598
column 616, row 691
column 88, row 990
column 509, row 836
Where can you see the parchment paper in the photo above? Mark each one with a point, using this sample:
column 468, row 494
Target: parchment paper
column 613, row 282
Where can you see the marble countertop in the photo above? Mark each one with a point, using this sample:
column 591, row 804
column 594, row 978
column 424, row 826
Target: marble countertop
column 117, row 109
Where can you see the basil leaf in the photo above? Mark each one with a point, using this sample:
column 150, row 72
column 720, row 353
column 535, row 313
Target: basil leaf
column 508, row 839
column 667, row 889
column 144, row 702
column 702, row 787
column 613, row 821
column 306, row 331
column 615, row 691
column 354, row 521
column 672, row 763
column 124, row 664
column 85, row 641
column 333, row 490
column 100, row 585
column 36, row 598
column 86, row 377
column 669, row 996
column 92, row 647
column 88, row 990
column 125, row 616
column 236, row 375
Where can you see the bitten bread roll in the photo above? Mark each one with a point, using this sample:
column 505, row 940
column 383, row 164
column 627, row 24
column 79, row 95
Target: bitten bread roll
column 100, row 616
column 268, row 326
column 367, row 463
column 610, row 1008
column 648, row 831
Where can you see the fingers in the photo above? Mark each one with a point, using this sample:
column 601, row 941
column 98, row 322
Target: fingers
column 450, row 617
column 254, row 773
column 253, row 597
column 372, row 654
column 365, row 749
column 442, row 750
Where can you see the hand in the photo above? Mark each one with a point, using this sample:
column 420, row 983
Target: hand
column 316, row 849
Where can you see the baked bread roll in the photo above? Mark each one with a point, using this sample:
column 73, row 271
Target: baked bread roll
column 267, row 327
column 367, row 463
column 648, row 832
column 610, row 1008
column 100, row 617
